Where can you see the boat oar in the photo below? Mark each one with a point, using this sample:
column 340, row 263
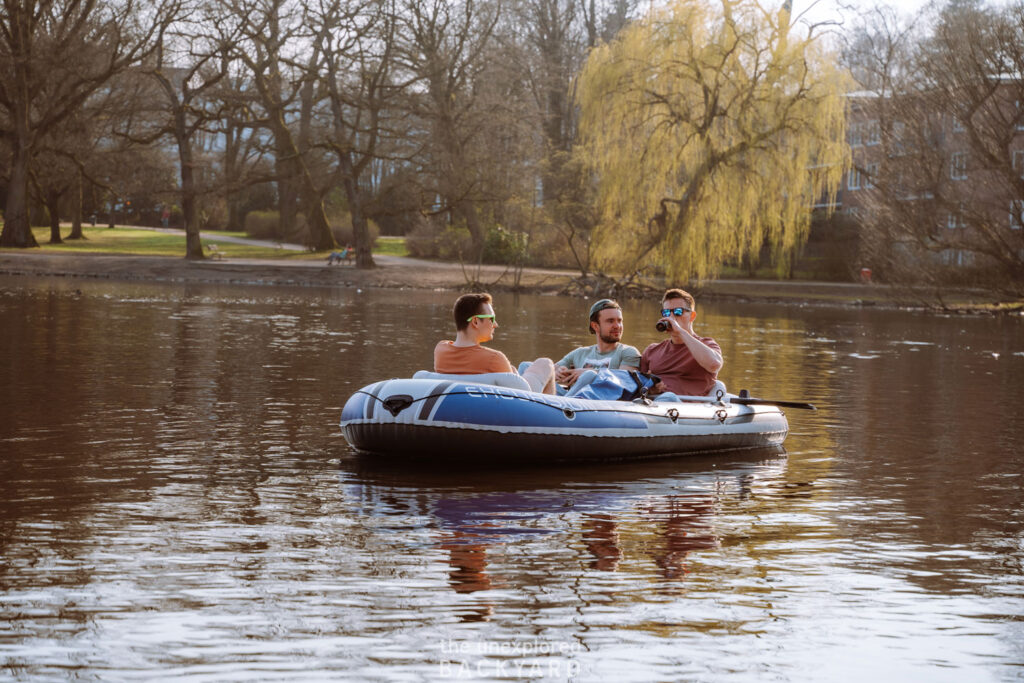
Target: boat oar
column 744, row 398
column 750, row 401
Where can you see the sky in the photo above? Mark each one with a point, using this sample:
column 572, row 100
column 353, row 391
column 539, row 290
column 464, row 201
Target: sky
column 836, row 10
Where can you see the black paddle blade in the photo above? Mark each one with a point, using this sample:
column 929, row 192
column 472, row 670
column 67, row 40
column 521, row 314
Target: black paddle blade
column 749, row 401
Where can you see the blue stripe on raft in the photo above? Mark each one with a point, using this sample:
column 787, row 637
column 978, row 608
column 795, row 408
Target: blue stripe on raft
column 493, row 406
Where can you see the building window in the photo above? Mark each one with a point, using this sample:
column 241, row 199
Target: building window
column 955, row 220
column 956, row 257
column 958, row 125
column 1017, row 214
column 958, row 166
column 870, row 174
column 899, row 132
column 1020, row 116
column 853, row 179
column 1018, row 161
column 855, row 134
column 872, row 133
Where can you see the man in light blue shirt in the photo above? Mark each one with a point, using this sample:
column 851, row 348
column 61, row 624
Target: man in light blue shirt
column 608, row 352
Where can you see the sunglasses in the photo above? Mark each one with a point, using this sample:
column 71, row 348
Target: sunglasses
column 666, row 312
column 482, row 317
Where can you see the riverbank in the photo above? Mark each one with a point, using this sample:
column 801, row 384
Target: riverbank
column 391, row 272
column 396, row 272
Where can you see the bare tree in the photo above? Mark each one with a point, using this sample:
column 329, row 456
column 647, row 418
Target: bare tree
column 559, row 34
column 445, row 45
column 274, row 39
column 187, row 67
column 357, row 41
column 947, row 171
column 54, row 54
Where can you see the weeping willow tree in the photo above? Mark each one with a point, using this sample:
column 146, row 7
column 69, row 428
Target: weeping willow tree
column 711, row 132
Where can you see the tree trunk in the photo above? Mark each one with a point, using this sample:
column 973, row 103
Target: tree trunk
column 360, row 229
column 53, row 207
column 76, row 210
column 476, row 233
column 190, row 211
column 300, row 185
column 17, row 232
column 320, row 236
column 236, row 221
column 287, row 207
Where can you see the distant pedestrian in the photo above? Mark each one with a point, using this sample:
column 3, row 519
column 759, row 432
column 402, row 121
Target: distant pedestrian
column 165, row 217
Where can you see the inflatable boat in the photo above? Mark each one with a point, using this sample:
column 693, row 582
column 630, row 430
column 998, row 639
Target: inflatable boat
column 494, row 418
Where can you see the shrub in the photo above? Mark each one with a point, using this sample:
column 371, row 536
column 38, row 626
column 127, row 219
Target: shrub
column 341, row 228
column 433, row 239
column 421, row 239
column 454, row 244
column 504, row 246
column 549, row 248
column 263, row 224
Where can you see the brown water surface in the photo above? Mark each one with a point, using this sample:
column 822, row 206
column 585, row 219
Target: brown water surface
column 177, row 502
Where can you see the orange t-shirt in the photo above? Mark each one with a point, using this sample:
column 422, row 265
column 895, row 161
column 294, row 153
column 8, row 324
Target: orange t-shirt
column 468, row 360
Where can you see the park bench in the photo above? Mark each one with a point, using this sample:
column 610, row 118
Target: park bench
column 343, row 256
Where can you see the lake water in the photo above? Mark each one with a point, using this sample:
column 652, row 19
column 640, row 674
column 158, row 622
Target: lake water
column 177, row 502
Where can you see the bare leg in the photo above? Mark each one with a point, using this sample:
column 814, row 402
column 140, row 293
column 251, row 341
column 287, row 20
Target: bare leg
column 541, row 375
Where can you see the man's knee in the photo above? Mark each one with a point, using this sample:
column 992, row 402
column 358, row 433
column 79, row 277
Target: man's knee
column 544, row 364
column 540, row 374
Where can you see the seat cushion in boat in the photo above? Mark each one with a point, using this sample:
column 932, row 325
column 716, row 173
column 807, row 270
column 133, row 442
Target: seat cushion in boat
column 498, row 379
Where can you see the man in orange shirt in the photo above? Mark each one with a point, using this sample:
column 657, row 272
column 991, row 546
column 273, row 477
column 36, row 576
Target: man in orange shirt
column 475, row 323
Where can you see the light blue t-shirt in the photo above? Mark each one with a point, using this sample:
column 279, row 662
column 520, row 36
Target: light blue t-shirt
column 589, row 357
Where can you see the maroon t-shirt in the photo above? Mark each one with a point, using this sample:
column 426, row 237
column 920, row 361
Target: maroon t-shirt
column 677, row 367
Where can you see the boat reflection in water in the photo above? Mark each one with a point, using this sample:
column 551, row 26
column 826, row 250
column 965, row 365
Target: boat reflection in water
column 637, row 518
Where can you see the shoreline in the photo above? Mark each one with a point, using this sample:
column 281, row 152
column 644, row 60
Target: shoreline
column 392, row 272
column 395, row 272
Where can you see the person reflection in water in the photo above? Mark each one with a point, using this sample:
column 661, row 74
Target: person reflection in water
column 686, row 528
column 467, row 556
column 468, row 559
column 601, row 537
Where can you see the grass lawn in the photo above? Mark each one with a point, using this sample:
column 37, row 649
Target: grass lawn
column 392, row 246
column 135, row 242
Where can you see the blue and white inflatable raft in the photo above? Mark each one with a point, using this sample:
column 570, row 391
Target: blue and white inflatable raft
column 492, row 418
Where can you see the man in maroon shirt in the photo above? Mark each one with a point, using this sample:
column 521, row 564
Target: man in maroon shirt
column 687, row 364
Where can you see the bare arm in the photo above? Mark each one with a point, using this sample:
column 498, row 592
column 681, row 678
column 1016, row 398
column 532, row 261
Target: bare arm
column 707, row 357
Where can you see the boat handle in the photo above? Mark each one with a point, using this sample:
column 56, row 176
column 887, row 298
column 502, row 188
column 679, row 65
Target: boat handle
column 396, row 404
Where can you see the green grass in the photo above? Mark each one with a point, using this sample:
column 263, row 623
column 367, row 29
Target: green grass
column 391, row 246
column 135, row 242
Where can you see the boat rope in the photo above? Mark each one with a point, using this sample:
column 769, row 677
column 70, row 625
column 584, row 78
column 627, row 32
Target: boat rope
column 396, row 404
